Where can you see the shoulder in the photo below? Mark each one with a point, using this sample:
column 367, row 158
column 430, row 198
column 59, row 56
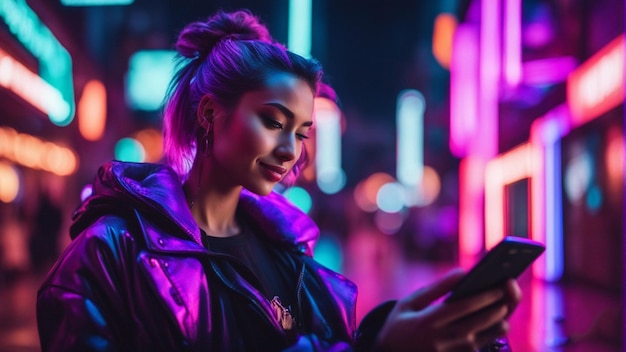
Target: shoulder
column 107, row 226
column 106, row 245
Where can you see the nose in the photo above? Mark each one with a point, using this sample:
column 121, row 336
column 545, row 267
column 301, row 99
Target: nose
column 286, row 149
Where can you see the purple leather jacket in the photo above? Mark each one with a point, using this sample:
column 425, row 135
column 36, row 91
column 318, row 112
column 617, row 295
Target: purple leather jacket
column 137, row 278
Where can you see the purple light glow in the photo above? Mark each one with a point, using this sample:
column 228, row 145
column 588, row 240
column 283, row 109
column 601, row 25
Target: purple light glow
column 512, row 42
column 463, row 88
column 548, row 71
column 482, row 144
column 538, row 29
column 486, row 141
column 537, row 34
column 546, row 133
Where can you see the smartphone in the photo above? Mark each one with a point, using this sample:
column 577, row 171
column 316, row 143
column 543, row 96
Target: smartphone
column 508, row 259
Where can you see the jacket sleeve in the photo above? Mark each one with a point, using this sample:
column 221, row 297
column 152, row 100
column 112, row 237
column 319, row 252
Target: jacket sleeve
column 78, row 305
column 68, row 321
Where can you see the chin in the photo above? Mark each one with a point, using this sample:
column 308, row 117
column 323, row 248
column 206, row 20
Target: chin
column 261, row 190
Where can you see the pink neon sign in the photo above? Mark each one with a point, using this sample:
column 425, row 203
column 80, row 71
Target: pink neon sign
column 29, row 86
column 597, row 86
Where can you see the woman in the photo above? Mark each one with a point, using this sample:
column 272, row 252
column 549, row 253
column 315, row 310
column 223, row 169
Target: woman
column 201, row 255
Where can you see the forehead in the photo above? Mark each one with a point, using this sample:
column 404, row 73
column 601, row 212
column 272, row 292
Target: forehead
column 284, row 88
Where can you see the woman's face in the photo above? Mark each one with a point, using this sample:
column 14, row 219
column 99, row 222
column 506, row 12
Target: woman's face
column 259, row 143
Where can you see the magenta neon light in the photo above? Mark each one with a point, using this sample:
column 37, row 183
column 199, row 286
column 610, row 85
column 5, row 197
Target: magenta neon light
column 483, row 143
column 514, row 165
column 463, row 89
column 470, row 215
column 598, row 84
column 487, row 138
column 512, row 42
column 546, row 133
column 548, row 71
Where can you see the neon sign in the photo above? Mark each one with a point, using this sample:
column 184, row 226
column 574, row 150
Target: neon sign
column 96, row 2
column 597, row 86
column 55, row 63
column 35, row 153
column 512, row 166
column 329, row 175
column 17, row 78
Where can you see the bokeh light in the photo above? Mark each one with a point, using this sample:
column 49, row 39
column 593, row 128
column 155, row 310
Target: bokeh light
column 152, row 142
column 366, row 191
column 594, row 198
column 578, row 174
column 330, row 176
column 391, row 197
column 331, row 182
column 92, row 111
column 443, row 34
column 426, row 193
column 389, row 223
column 149, row 73
column 9, row 183
column 614, row 161
column 328, row 252
column 129, row 149
column 299, row 197
column 35, row 153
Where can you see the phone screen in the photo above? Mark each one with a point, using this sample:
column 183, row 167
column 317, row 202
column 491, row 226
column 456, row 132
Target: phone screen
column 508, row 259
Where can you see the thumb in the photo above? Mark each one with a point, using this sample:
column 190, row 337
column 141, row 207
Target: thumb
column 423, row 297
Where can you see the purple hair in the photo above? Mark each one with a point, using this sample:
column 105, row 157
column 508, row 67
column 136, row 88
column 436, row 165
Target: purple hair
column 226, row 56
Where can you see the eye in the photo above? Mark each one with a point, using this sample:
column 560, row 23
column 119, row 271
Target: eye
column 302, row 136
column 271, row 123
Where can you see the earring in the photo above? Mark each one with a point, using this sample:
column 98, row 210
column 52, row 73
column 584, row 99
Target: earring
column 208, row 142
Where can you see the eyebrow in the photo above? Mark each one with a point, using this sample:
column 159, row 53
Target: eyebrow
column 287, row 112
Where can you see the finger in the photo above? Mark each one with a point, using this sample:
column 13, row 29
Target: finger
column 452, row 342
column 490, row 335
column 476, row 331
column 426, row 295
column 513, row 295
column 453, row 311
column 481, row 321
column 459, row 347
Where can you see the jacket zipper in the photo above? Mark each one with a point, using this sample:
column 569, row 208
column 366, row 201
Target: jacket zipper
column 299, row 298
column 246, row 293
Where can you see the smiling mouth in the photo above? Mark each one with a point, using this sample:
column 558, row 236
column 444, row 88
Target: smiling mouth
column 274, row 172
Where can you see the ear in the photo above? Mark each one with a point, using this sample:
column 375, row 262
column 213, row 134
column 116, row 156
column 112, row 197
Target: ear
column 205, row 112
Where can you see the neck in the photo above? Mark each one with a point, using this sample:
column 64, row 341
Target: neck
column 212, row 206
column 216, row 215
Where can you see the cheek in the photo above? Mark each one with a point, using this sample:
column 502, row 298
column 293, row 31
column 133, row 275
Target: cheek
column 250, row 138
column 299, row 150
column 301, row 156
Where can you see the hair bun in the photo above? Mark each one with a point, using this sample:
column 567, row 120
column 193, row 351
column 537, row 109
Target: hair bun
column 199, row 38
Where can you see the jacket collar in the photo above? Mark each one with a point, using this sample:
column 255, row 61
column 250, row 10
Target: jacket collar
column 156, row 189
column 280, row 220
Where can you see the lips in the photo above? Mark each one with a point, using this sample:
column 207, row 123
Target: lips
column 273, row 172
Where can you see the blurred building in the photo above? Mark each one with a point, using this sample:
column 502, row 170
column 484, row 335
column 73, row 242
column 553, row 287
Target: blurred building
column 537, row 111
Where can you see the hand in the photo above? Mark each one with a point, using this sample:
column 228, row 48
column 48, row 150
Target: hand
column 417, row 323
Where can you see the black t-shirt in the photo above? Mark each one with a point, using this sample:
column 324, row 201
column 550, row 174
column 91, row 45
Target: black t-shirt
column 254, row 253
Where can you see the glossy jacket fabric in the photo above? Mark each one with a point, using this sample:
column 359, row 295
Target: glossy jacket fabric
column 137, row 278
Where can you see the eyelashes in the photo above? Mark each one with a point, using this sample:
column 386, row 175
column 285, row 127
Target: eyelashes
column 273, row 124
